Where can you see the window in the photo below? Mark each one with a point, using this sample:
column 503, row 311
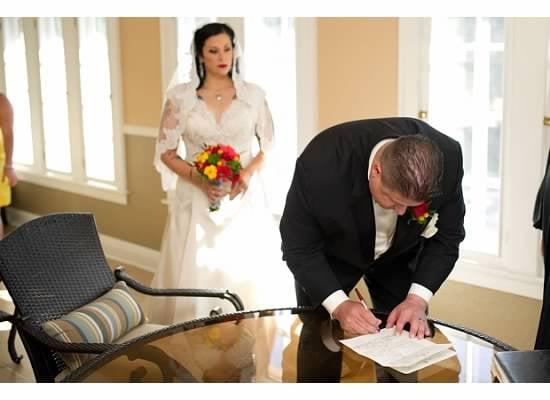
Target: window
column 469, row 108
column 62, row 75
column 483, row 81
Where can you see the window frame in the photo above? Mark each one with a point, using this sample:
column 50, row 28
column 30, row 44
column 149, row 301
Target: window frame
column 76, row 182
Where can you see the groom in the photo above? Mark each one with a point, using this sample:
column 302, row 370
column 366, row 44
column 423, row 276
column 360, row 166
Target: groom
column 379, row 200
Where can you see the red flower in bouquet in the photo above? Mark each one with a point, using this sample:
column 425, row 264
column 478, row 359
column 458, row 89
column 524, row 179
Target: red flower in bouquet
column 218, row 164
column 421, row 213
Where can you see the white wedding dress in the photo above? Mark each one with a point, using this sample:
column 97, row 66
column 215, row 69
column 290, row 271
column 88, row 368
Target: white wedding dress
column 236, row 247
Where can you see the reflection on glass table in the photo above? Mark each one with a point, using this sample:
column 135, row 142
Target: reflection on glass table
column 262, row 346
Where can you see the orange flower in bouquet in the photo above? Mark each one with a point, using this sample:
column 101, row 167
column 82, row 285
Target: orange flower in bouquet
column 219, row 165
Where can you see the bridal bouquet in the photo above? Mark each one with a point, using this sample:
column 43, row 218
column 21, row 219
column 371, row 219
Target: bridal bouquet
column 220, row 165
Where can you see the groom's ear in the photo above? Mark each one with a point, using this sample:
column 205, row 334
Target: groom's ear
column 376, row 169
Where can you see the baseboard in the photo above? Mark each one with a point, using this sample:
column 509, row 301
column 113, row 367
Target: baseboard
column 140, row 130
column 19, row 217
column 121, row 251
column 128, row 253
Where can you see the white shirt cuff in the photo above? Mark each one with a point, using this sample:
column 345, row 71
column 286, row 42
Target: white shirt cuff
column 421, row 291
column 334, row 300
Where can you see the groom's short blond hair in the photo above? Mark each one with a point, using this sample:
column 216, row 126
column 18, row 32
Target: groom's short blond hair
column 412, row 166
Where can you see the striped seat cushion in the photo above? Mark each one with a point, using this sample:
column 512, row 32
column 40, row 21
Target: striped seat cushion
column 102, row 321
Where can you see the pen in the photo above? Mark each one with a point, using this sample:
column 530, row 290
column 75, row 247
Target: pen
column 358, row 293
column 366, row 307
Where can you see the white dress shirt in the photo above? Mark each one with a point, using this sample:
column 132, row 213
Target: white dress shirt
column 386, row 222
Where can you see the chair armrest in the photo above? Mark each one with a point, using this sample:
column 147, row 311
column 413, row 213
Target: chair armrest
column 233, row 298
column 63, row 347
column 4, row 316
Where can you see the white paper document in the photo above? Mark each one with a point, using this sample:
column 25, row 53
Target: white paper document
column 400, row 352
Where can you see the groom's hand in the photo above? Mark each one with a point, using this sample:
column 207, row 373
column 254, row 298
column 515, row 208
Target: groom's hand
column 413, row 311
column 355, row 319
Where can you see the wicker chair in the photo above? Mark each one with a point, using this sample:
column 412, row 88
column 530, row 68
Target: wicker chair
column 8, row 317
column 55, row 264
column 11, row 338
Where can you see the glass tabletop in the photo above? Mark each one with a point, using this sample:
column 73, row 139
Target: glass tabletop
column 262, row 346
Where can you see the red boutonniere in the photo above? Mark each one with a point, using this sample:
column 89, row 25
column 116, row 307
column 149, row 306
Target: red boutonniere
column 421, row 213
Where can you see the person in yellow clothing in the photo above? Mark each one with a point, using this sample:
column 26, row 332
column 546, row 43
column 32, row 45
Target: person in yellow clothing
column 8, row 178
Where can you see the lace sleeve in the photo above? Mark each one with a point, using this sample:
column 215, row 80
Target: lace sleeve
column 264, row 128
column 169, row 136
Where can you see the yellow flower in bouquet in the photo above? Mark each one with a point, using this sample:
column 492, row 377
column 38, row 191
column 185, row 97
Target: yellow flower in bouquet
column 211, row 172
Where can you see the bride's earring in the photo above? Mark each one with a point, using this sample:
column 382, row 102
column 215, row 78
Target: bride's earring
column 201, row 70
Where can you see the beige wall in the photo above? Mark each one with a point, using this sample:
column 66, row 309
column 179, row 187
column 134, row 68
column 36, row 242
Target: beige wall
column 357, row 76
column 141, row 70
column 140, row 221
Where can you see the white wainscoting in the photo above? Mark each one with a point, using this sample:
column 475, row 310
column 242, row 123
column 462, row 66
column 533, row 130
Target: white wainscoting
column 141, row 130
column 498, row 278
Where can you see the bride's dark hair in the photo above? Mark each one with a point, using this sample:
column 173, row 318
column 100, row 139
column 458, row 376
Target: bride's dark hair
column 201, row 35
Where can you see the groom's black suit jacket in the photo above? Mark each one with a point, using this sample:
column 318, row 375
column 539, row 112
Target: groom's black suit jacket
column 328, row 229
column 541, row 220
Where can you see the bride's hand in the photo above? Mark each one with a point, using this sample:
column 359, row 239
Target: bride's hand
column 168, row 156
column 213, row 192
column 241, row 186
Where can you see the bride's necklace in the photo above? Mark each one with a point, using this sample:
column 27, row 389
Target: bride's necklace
column 218, row 93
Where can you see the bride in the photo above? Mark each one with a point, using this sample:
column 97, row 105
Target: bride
column 238, row 246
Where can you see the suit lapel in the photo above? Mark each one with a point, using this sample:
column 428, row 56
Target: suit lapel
column 363, row 214
column 405, row 232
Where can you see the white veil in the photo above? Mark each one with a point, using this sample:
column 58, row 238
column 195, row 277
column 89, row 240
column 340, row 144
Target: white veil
column 189, row 74
column 188, row 77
